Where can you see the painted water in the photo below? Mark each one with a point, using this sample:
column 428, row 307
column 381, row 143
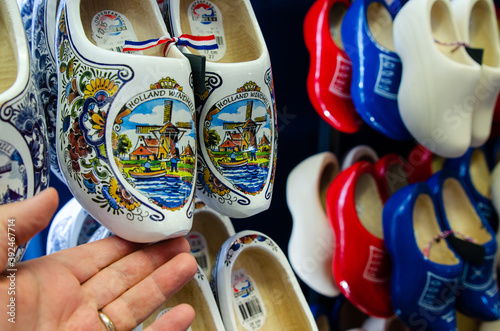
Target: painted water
column 170, row 192
column 248, row 177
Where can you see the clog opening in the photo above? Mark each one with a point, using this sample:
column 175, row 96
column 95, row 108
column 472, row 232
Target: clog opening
column 191, row 294
column 134, row 21
column 480, row 33
column 396, row 178
column 213, row 230
column 238, row 33
column 8, row 65
column 425, row 226
column 337, row 13
column 380, row 24
column 284, row 310
column 327, row 176
column 445, row 34
column 369, row 205
column 461, row 214
column 480, row 174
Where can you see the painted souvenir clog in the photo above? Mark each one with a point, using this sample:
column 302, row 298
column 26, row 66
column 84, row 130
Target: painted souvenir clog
column 438, row 77
column 329, row 77
column 478, row 27
column 237, row 119
column 209, row 231
column 44, row 70
column 125, row 124
column 24, row 165
column 72, row 226
column 376, row 75
column 26, row 9
column 255, row 286
column 361, row 264
column 473, row 169
column 392, row 172
column 198, row 294
column 422, row 164
column 312, row 242
column 425, row 271
column 477, row 295
column 359, row 153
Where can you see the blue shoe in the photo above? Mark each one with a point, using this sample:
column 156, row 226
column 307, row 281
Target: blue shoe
column 473, row 169
column 478, row 291
column 376, row 68
column 425, row 271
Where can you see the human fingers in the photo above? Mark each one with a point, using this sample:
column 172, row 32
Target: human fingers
column 130, row 270
column 140, row 301
column 24, row 219
column 178, row 318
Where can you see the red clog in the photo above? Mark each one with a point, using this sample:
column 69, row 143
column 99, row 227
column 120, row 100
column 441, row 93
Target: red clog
column 422, row 164
column 329, row 78
column 392, row 172
column 361, row 263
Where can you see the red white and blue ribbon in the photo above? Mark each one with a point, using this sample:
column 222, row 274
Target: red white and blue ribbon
column 196, row 42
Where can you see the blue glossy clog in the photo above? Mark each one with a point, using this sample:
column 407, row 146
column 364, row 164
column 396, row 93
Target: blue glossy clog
column 477, row 295
column 376, row 68
column 425, row 271
column 472, row 168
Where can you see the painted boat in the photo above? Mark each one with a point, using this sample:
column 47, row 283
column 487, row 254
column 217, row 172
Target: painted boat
column 145, row 175
column 235, row 164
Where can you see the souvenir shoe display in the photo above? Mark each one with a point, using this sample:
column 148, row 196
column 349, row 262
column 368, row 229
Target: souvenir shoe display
column 237, row 113
column 425, row 270
column 209, row 231
column 329, row 77
column 422, row 164
column 255, row 286
column 361, row 264
column 24, row 169
column 359, row 153
column 376, row 68
column 473, row 169
column 477, row 294
column 198, row 294
column 391, row 170
column 125, row 123
column 438, row 78
column 311, row 245
column 72, row 226
column 478, row 27
column 44, row 70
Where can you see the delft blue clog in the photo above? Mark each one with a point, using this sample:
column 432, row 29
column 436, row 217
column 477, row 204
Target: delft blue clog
column 472, row 168
column 376, row 68
column 423, row 286
column 477, row 295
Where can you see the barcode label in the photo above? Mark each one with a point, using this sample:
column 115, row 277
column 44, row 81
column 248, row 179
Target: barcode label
column 219, row 40
column 247, row 301
column 202, row 261
column 250, row 309
column 199, row 250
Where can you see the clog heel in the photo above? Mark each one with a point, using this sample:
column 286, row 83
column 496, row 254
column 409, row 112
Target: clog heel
column 237, row 112
column 125, row 123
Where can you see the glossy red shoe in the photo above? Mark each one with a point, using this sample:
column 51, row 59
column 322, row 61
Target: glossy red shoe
column 392, row 172
column 361, row 263
column 329, row 78
column 422, row 164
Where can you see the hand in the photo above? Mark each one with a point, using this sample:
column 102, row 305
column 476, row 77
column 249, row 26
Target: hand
column 65, row 290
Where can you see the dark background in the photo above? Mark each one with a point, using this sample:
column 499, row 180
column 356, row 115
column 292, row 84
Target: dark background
column 301, row 131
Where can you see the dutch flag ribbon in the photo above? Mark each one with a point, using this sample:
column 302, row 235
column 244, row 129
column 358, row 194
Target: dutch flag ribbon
column 196, row 42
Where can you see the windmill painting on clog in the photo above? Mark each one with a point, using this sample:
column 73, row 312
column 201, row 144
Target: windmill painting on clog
column 237, row 119
column 125, row 124
column 24, row 169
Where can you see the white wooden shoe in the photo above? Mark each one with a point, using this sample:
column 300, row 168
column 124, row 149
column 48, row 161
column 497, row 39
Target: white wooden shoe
column 312, row 241
column 477, row 24
column 359, row 153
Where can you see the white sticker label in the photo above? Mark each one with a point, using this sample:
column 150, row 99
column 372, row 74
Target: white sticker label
column 205, row 19
column 199, row 249
column 110, row 29
column 247, row 301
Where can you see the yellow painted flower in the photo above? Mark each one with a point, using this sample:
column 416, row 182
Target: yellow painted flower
column 122, row 197
column 100, row 88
